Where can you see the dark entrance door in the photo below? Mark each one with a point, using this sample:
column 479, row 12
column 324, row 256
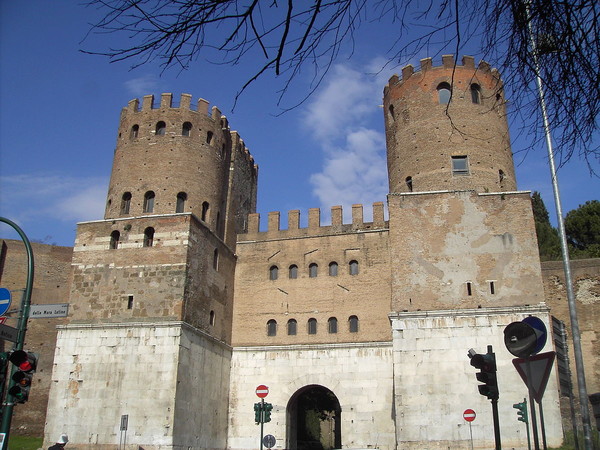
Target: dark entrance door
column 314, row 418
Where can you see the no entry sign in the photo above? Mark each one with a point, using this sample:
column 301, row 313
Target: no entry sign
column 469, row 415
column 262, row 391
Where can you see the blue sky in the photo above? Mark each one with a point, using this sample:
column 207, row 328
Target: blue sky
column 59, row 111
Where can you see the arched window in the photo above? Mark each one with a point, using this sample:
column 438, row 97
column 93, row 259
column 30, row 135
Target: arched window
column 332, row 325
column 148, row 237
column 272, row 327
column 353, row 267
column 291, row 327
column 273, row 272
column 409, row 184
column 353, row 324
column 149, row 202
column 125, row 203
column 204, row 215
column 209, row 137
column 444, row 93
column 186, row 129
column 312, row 270
column 216, row 259
column 135, row 130
column 312, row 326
column 114, row 240
column 161, row 128
column 391, row 109
column 181, row 198
column 211, row 318
column 475, row 94
column 333, row 269
column 293, row 272
column 501, row 175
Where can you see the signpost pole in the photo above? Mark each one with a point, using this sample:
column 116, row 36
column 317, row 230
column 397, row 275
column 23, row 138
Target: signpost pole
column 262, row 421
column 471, row 433
column 7, row 409
column 536, row 440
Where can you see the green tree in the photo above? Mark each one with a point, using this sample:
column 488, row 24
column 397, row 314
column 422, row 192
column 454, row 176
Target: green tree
column 582, row 226
column 547, row 235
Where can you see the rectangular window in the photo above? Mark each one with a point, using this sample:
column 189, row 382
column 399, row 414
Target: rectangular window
column 492, row 288
column 130, row 302
column 460, row 165
column 469, row 290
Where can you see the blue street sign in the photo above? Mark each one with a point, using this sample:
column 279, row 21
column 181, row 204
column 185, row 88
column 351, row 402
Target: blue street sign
column 5, row 299
column 540, row 331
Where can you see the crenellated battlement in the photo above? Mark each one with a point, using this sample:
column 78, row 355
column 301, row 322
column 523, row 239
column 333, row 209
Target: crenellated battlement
column 448, row 62
column 314, row 228
column 150, row 102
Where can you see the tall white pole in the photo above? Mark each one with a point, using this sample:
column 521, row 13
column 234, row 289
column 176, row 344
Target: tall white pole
column 575, row 334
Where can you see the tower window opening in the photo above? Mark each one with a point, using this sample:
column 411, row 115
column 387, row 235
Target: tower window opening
column 476, row 94
column 469, row 288
column 353, row 324
column 180, row 206
column 114, row 240
column 186, row 129
column 273, row 273
column 211, row 319
column 291, row 327
column 293, row 272
column 391, row 110
column 460, row 165
column 313, row 270
column 149, row 202
column 135, row 130
column 125, row 203
column 409, row 184
column 148, row 237
column 492, row 288
column 444, row 93
column 204, row 215
column 130, row 302
column 161, row 128
column 501, row 176
column 353, row 267
column 272, row 327
column 332, row 325
column 216, row 259
column 312, row 326
column 209, row 137
column 333, row 269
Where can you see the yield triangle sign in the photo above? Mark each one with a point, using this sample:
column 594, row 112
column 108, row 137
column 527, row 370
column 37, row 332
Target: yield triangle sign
column 540, row 367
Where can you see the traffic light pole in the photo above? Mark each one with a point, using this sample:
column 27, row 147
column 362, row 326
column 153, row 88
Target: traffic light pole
column 262, row 421
column 7, row 407
column 536, row 439
column 496, row 423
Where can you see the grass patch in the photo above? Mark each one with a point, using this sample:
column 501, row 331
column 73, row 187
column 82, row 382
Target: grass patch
column 24, row 442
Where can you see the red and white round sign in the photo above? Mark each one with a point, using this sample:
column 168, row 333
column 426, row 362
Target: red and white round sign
column 469, row 415
column 262, row 391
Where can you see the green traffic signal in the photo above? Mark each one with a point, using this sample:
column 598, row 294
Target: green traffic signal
column 257, row 413
column 268, row 409
column 486, row 363
column 522, row 411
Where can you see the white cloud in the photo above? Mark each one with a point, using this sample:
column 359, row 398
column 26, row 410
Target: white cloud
column 143, row 85
column 346, row 121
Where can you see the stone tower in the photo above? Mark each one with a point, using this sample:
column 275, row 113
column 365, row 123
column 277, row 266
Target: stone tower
column 152, row 292
column 446, row 129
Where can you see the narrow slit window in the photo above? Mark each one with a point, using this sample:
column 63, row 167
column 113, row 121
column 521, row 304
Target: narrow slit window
column 204, row 215
column 469, row 288
column 409, row 184
column 475, row 94
column 125, row 203
column 492, row 288
column 181, row 199
column 216, row 259
column 130, row 302
column 149, row 202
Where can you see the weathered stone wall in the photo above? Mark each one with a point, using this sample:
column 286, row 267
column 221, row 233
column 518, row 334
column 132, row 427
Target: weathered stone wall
column 159, row 374
column 586, row 279
column 434, row 381
column 463, row 250
column 422, row 135
column 259, row 299
column 360, row 376
column 51, row 284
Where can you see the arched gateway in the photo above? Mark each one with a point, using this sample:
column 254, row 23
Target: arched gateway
column 314, row 419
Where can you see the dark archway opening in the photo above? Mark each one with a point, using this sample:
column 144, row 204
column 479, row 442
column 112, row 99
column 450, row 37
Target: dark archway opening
column 314, row 420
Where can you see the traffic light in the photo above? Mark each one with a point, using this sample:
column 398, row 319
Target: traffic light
column 26, row 363
column 268, row 409
column 521, row 411
column 487, row 373
column 257, row 413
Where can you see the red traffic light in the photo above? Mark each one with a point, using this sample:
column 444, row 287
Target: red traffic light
column 25, row 361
